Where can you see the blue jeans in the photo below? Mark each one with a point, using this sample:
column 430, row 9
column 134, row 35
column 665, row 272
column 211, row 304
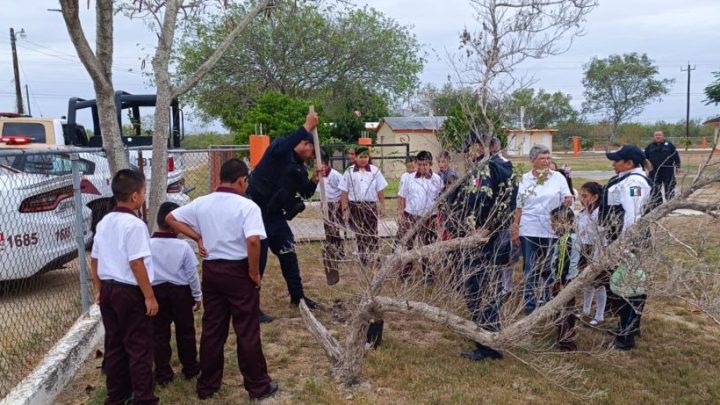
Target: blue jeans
column 536, row 270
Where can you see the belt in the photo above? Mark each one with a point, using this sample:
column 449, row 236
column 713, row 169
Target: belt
column 118, row 283
column 168, row 284
column 226, row 261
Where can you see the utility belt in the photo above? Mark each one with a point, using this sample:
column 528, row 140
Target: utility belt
column 275, row 201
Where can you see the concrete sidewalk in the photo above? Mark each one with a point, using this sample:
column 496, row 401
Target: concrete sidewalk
column 310, row 230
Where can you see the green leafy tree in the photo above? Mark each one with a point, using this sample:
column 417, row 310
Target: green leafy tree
column 440, row 101
column 279, row 115
column 542, row 109
column 620, row 86
column 712, row 91
column 463, row 118
column 301, row 51
column 350, row 109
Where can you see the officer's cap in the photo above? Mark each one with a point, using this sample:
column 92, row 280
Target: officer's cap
column 628, row 152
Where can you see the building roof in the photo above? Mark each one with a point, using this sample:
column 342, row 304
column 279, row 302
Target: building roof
column 712, row 121
column 415, row 124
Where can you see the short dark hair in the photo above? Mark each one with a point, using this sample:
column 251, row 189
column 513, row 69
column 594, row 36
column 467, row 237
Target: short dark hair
column 324, row 156
column 424, row 155
column 444, row 155
column 410, row 159
column 563, row 213
column 126, row 182
column 232, row 170
column 165, row 208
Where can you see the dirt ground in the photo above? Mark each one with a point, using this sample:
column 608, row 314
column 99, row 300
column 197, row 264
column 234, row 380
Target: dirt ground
column 34, row 314
column 676, row 360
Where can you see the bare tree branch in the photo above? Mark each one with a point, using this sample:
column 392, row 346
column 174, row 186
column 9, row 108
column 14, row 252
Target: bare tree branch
column 205, row 68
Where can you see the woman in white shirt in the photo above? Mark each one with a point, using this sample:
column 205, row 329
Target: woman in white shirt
column 541, row 190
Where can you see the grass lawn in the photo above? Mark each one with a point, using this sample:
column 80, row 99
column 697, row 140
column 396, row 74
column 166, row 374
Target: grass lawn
column 677, row 359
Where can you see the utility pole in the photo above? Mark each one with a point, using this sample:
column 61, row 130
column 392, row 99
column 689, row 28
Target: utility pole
column 687, row 108
column 16, row 70
column 27, row 98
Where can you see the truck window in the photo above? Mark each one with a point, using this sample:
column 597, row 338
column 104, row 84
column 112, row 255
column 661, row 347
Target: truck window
column 55, row 165
column 30, row 129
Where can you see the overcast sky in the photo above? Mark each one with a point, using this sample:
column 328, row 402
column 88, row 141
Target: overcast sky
column 671, row 32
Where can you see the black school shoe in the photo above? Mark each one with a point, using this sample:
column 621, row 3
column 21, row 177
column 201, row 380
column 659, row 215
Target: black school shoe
column 265, row 318
column 271, row 390
column 310, row 303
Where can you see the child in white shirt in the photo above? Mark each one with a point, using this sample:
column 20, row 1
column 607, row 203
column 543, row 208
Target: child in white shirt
column 363, row 200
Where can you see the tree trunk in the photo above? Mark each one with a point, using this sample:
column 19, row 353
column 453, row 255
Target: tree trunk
column 98, row 66
column 158, row 181
column 110, row 129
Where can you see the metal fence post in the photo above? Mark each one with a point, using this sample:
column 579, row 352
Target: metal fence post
column 80, row 231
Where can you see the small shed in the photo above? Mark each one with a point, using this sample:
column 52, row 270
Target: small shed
column 421, row 133
column 519, row 141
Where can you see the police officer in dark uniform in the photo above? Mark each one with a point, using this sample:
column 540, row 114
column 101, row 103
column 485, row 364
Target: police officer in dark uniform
column 486, row 202
column 277, row 185
column 665, row 160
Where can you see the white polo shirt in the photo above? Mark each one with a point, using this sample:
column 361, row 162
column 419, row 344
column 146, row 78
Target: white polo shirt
column 120, row 238
column 174, row 262
column 588, row 228
column 363, row 185
column 403, row 179
column 420, row 192
column 225, row 220
column 332, row 186
column 538, row 200
column 633, row 193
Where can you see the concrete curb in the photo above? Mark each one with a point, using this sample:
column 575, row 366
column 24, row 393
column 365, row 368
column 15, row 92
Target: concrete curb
column 60, row 364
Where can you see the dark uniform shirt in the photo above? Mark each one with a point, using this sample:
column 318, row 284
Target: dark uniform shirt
column 487, row 191
column 662, row 155
column 280, row 177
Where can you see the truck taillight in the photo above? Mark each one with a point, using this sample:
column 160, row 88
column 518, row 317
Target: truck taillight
column 171, row 164
column 16, row 140
column 86, row 187
column 176, row 187
column 47, row 201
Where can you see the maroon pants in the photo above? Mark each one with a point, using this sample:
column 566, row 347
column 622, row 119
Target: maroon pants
column 364, row 221
column 128, row 361
column 425, row 236
column 176, row 306
column 333, row 248
column 229, row 293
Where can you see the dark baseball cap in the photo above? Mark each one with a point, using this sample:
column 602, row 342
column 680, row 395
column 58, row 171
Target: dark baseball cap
column 475, row 138
column 627, row 152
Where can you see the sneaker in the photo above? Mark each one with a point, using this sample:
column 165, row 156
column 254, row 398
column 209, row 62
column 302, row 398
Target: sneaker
column 265, row 318
column 594, row 322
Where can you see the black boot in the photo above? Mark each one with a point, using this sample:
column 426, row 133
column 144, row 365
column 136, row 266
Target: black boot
column 310, row 303
column 482, row 352
column 374, row 333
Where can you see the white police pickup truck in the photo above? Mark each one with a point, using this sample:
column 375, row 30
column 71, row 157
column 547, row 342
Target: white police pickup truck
column 28, row 133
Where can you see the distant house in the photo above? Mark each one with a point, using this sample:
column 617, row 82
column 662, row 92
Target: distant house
column 714, row 122
column 418, row 132
column 519, row 141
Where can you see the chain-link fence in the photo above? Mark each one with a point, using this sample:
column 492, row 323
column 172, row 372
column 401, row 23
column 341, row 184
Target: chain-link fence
column 44, row 228
column 50, row 202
